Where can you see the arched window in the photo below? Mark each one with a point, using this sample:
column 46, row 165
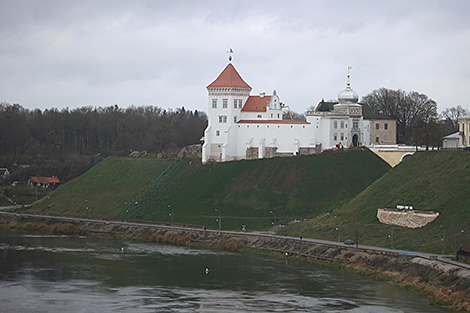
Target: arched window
column 342, row 136
column 335, row 137
column 259, row 116
column 342, row 124
column 335, row 124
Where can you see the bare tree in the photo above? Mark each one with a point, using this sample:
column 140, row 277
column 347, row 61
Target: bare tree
column 450, row 117
column 410, row 109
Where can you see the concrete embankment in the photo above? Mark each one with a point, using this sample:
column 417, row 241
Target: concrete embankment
column 444, row 283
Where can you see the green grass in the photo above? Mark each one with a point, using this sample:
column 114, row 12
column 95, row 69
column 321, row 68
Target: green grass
column 104, row 189
column 430, row 181
column 244, row 192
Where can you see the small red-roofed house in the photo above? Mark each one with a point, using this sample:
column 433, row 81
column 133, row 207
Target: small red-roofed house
column 45, row 182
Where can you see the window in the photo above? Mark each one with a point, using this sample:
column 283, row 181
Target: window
column 240, row 103
column 271, row 115
column 335, row 137
column 217, row 132
column 376, row 125
column 214, row 103
column 335, row 124
column 355, row 124
column 235, row 103
column 259, row 116
column 234, row 119
column 224, row 103
column 277, row 115
column 342, row 136
column 386, row 126
column 377, row 139
column 222, row 119
column 342, row 124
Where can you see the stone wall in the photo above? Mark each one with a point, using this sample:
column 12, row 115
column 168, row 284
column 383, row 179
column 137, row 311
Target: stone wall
column 191, row 152
column 405, row 218
column 251, row 153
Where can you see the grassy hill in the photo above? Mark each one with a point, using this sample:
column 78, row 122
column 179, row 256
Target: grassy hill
column 254, row 193
column 430, row 181
column 105, row 189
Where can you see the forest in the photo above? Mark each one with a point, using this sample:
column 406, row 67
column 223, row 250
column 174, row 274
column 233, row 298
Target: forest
column 67, row 142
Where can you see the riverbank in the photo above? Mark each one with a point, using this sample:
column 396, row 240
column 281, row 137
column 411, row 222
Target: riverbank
column 444, row 284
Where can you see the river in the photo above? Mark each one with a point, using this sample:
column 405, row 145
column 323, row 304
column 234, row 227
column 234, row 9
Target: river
column 42, row 273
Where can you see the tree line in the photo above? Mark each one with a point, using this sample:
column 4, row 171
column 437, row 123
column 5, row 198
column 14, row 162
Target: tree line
column 416, row 114
column 33, row 135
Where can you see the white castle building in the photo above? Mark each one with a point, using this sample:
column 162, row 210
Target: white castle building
column 244, row 126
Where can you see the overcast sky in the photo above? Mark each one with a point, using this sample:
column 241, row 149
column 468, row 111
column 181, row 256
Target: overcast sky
column 164, row 53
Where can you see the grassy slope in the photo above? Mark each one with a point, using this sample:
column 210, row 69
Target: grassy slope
column 430, row 181
column 245, row 192
column 106, row 187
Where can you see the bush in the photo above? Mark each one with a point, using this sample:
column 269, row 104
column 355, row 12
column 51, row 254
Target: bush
column 65, row 229
column 230, row 245
column 36, row 227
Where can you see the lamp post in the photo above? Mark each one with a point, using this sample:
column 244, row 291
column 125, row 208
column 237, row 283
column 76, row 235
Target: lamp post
column 171, row 214
column 338, row 229
column 220, row 219
column 87, row 208
column 274, row 218
column 443, row 239
column 455, row 242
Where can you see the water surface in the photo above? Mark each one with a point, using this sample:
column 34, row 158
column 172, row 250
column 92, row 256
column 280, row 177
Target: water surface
column 90, row 274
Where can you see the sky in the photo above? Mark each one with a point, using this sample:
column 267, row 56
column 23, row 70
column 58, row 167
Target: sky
column 69, row 54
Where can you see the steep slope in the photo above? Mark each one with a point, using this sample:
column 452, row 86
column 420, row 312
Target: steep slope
column 429, row 181
column 104, row 189
column 258, row 193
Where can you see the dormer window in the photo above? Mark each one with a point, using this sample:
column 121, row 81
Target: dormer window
column 259, row 116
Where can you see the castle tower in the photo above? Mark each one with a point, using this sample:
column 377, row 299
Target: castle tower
column 348, row 105
column 227, row 96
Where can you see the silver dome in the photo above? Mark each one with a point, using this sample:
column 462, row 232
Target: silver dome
column 348, row 96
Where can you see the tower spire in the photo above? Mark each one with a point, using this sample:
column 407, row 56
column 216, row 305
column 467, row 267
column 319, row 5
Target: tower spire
column 230, row 52
column 348, row 84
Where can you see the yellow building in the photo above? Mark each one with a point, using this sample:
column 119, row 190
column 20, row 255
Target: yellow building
column 383, row 129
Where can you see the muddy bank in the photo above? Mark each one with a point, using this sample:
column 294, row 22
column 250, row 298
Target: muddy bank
column 445, row 284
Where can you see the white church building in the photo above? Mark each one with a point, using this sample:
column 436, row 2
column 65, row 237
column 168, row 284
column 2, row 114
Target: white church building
column 244, row 126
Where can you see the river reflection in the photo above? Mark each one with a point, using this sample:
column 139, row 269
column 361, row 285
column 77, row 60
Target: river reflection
column 90, row 274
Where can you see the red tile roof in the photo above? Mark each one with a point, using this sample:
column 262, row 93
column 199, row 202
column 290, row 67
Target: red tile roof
column 256, row 104
column 272, row 122
column 45, row 180
column 229, row 78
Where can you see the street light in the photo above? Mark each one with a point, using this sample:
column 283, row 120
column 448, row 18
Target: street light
column 338, row 229
column 87, row 208
column 443, row 239
column 455, row 242
column 274, row 217
column 171, row 214
column 220, row 219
